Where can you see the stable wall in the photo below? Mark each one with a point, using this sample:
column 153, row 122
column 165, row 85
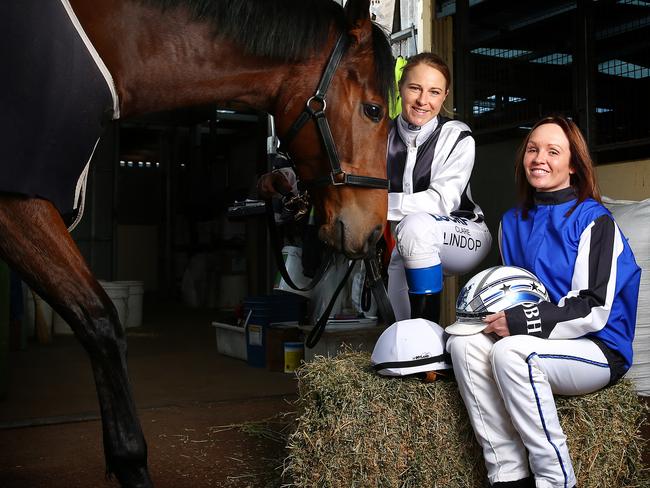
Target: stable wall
column 629, row 180
column 493, row 188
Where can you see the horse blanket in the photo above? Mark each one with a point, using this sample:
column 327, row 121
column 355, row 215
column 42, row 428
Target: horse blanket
column 57, row 96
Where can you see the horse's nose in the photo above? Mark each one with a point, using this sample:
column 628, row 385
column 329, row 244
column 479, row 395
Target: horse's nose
column 374, row 236
column 354, row 248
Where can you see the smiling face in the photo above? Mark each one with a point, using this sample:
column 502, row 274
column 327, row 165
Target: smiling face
column 547, row 159
column 423, row 91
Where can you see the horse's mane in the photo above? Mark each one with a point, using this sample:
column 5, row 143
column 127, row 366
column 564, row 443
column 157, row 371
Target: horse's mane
column 286, row 30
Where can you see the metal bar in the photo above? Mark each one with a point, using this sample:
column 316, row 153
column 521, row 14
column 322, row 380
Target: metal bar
column 403, row 35
column 584, row 70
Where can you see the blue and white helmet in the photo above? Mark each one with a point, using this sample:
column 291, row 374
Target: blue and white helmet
column 494, row 290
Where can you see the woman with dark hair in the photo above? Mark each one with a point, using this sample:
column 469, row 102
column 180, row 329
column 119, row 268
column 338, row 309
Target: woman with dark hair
column 438, row 227
column 578, row 342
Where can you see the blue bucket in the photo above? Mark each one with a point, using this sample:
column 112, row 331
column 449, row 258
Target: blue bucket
column 274, row 308
column 263, row 311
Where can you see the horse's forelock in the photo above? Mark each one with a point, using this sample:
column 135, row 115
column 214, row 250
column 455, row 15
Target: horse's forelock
column 384, row 62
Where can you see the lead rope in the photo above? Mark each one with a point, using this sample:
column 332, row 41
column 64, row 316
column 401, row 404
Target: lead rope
column 376, row 283
column 279, row 260
column 318, row 329
column 378, row 291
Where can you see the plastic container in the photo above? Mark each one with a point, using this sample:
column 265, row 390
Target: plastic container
column 262, row 311
column 231, row 340
column 292, row 256
column 119, row 295
column 256, row 345
column 265, row 309
column 294, row 352
column 277, row 334
column 134, row 303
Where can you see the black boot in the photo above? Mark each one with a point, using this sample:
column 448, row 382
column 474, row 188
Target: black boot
column 425, row 307
column 524, row 483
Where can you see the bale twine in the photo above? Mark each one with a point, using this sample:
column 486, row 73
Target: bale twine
column 358, row 429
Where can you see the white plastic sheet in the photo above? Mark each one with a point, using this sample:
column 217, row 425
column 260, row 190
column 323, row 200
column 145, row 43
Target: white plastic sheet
column 633, row 218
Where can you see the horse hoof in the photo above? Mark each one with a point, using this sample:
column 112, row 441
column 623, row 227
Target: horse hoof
column 134, row 477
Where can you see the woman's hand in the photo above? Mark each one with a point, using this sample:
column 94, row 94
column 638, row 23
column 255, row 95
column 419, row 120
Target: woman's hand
column 273, row 183
column 497, row 324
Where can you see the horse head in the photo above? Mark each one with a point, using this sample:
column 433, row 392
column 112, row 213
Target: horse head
column 269, row 56
column 351, row 216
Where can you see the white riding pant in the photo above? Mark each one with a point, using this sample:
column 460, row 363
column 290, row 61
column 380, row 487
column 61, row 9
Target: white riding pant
column 425, row 240
column 508, row 386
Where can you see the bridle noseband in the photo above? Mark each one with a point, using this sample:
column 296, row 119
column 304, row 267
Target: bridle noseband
column 315, row 109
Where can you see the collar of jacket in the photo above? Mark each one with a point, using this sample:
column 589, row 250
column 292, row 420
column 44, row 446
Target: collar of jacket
column 555, row 197
column 415, row 135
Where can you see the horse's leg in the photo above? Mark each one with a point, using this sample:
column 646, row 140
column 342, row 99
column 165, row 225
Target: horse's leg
column 35, row 242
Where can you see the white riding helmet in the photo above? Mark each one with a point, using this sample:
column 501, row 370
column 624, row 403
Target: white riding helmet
column 408, row 347
column 494, row 290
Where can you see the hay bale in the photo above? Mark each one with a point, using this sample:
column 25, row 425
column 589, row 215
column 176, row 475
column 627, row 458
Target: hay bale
column 356, row 428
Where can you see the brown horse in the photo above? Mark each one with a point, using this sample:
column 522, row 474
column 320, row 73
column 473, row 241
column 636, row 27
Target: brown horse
column 164, row 54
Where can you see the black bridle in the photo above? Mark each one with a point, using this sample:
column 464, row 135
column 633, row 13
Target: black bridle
column 315, row 109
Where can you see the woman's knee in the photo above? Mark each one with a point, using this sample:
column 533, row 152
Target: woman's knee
column 414, row 225
column 418, row 236
column 476, row 346
column 510, row 352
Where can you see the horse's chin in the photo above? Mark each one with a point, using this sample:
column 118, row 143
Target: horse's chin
column 354, row 244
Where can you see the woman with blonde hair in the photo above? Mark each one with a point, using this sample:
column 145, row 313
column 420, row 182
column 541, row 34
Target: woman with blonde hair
column 438, row 227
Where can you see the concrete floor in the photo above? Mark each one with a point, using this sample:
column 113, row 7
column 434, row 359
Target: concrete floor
column 191, row 401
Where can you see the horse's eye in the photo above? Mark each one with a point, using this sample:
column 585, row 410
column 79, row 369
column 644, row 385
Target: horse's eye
column 373, row 112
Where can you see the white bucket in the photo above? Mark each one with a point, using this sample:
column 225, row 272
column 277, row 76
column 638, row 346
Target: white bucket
column 292, row 256
column 119, row 295
column 134, row 303
column 30, row 313
column 117, row 291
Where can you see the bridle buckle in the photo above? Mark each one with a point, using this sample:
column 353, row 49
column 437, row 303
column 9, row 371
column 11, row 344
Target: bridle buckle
column 339, row 179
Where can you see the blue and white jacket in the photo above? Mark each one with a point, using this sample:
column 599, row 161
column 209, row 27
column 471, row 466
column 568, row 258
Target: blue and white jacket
column 587, row 267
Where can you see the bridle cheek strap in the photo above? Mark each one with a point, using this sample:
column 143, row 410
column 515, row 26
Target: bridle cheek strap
column 315, row 109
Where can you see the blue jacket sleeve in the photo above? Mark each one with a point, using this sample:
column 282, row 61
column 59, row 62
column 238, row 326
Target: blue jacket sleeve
column 586, row 307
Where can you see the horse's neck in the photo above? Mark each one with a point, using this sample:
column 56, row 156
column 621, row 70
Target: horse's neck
column 158, row 66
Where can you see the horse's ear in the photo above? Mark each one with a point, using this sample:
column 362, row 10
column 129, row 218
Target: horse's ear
column 357, row 11
column 358, row 15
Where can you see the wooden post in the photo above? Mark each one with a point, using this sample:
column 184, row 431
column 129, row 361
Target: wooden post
column 438, row 37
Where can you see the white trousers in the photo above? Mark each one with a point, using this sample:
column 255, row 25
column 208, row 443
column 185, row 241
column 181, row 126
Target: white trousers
column 425, row 240
column 508, row 386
